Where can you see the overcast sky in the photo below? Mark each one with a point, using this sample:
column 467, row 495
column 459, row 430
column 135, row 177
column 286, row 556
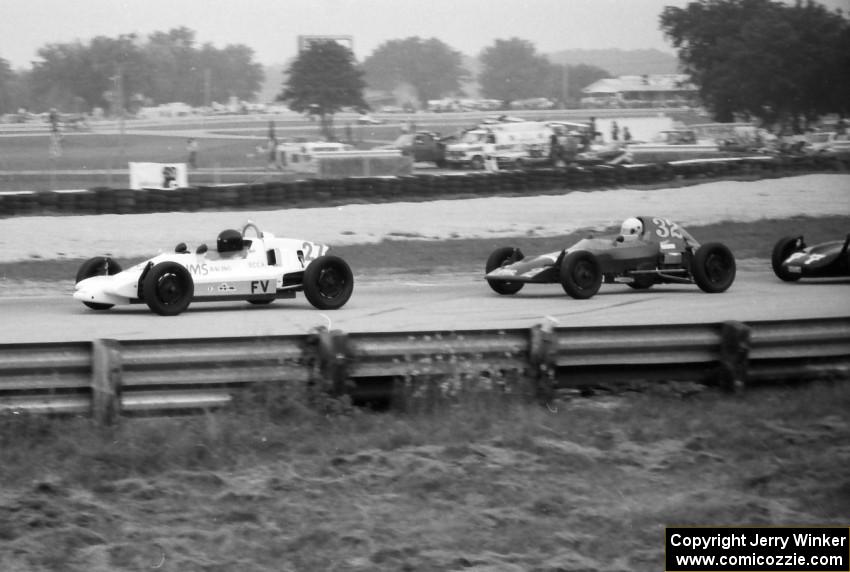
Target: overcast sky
column 270, row 27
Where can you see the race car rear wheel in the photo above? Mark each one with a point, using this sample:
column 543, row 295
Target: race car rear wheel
column 498, row 258
column 581, row 276
column 328, row 282
column 784, row 248
column 98, row 266
column 168, row 288
column 713, row 267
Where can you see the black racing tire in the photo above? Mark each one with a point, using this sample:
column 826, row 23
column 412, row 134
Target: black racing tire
column 168, row 288
column 496, row 260
column 98, row 266
column 784, row 248
column 581, row 275
column 713, row 268
column 328, row 282
column 477, row 163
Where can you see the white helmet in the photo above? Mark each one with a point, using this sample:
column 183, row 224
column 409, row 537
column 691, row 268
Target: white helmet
column 632, row 228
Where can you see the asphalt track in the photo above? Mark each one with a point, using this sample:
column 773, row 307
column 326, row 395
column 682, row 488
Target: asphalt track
column 429, row 303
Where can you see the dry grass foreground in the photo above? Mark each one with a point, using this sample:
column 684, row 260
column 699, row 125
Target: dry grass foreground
column 585, row 484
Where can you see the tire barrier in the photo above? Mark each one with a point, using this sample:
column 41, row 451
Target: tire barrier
column 108, row 378
column 420, row 186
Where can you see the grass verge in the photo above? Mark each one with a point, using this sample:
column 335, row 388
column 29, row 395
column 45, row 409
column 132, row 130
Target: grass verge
column 587, row 484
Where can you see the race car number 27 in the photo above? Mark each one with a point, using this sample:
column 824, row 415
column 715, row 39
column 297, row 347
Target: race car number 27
column 666, row 228
column 312, row 250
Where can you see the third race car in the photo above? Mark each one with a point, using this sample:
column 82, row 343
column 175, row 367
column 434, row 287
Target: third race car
column 648, row 251
column 792, row 259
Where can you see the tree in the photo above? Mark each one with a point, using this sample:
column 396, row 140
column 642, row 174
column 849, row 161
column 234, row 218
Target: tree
column 782, row 64
column 322, row 80
column 512, row 70
column 229, row 72
column 6, row 79
column 167, row 67
column 431, row 67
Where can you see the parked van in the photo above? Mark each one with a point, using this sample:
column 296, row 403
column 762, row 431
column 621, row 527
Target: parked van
column 301, row 156
column 523, row 137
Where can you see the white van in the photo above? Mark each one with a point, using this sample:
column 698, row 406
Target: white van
column 529, row 138
column 301, row 157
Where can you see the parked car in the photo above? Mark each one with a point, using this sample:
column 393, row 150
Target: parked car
column 258, row 269
column 366, row 119
column 648, row 251
column 423, row 146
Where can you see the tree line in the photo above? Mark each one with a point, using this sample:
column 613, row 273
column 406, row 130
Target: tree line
column 763, row 60
column 127, row 72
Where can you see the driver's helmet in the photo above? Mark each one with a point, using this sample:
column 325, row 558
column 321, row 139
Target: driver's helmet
column 631, row 229
column 229, row 240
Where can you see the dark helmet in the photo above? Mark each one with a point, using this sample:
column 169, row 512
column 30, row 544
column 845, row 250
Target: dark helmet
column 229, row 241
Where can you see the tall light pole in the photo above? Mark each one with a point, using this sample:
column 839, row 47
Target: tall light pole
column 119, row 108
column 564, row 85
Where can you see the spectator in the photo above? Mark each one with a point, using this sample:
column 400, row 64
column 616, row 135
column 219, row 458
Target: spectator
column 841, row 127
column 192, row 149
column 627, row 135
column 615, row 131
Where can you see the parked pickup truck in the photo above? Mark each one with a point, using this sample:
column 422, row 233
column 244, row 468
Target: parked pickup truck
column 422, row 146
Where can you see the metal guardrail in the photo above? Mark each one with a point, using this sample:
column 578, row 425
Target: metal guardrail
column 105, row 378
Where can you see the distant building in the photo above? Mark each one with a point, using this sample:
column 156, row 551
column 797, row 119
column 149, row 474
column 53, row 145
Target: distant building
column 662, row 90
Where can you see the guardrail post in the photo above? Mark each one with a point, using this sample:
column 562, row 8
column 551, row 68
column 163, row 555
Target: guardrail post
column 542, row 354
column 106, row 381
column 734, row 355
column 329, row 361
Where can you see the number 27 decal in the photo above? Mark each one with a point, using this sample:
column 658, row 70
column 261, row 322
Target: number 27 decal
column 666, row 228
column 309, row 247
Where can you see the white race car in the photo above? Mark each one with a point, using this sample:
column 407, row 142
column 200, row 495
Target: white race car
column 258, row 269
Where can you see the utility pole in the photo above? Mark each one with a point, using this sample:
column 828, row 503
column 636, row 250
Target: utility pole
column 119, row 109
column 564, row 85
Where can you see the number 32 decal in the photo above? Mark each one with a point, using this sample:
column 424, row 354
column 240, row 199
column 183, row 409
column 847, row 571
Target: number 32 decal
column 666, row 228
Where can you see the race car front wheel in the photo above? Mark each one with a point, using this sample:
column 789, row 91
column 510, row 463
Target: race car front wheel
column 168, row 288
column 98, row 266
column 498, row 258
column 713, row 267
column 581, row 276
column 328, row 282
column 784, row 248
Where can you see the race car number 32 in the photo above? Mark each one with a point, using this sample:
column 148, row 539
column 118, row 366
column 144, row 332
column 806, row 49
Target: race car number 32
column 666, row 228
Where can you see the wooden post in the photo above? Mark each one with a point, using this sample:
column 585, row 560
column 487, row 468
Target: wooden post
column 542, row 356
column 734, row 355
column 106, row 381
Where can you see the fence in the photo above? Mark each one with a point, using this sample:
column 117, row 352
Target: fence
column 106, row 378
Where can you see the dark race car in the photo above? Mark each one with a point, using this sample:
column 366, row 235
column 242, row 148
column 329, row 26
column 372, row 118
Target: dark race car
column 792, row 259
column 648, row 250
